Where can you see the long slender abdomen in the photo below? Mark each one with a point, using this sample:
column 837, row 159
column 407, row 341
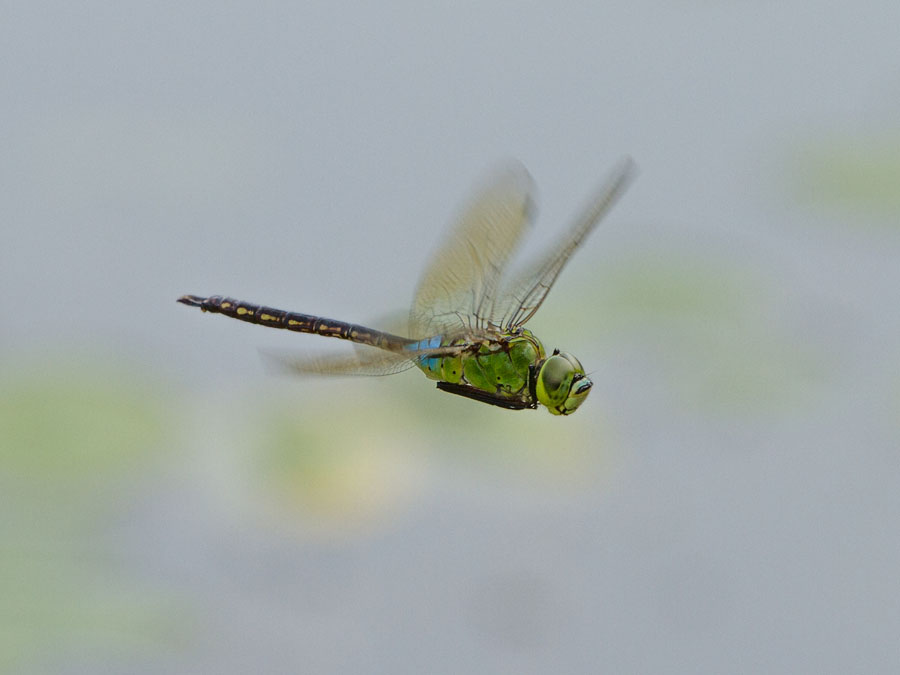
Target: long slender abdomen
column 301, row 323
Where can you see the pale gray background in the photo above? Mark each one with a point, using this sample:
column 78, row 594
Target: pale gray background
column 727, row 499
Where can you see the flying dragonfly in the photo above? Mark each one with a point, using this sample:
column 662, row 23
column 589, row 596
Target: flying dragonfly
column 466, row 324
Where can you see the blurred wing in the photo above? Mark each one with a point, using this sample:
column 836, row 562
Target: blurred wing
column 364, row 360
column 524, row 294
column 456, row 290
column 370, row 362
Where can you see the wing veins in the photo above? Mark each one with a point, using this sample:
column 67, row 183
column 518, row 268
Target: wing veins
column 530, row 289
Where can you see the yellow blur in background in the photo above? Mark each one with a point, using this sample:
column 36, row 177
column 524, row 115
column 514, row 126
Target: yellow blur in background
column 726, row 495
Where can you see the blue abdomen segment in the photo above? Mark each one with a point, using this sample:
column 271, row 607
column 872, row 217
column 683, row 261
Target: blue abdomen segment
column 442, row 368
column 430, row 365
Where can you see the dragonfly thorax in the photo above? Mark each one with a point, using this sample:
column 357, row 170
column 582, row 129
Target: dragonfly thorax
column 498, row 369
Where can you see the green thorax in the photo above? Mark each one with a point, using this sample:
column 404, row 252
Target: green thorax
column 499, row 365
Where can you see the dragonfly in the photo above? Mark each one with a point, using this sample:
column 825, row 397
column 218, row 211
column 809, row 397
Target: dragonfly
column 466, row 326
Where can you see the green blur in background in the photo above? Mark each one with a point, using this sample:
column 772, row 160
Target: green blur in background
column 725, row 499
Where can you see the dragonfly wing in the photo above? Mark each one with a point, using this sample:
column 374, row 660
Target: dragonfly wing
column 523, row 295
column 370, row 362
column 364, row 360
column 456, row 289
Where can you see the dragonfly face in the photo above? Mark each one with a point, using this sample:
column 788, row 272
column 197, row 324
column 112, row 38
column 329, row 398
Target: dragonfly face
column 562, row 385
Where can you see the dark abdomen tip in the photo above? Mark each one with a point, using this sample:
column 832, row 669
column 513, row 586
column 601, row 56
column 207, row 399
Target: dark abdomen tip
column 191, row 300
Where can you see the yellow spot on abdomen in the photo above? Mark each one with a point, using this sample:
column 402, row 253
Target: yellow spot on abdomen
column 243, row 310
column 225, row 305
column 268, row 317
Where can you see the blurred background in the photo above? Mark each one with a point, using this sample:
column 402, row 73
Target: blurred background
column 725, row 501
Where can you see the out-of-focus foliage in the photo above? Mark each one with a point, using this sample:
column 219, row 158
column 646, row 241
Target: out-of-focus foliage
column 283, row 461
column 339, row 457
column 73, row 441
column 704, row 332
column 861, row 173
column 63, row 426
column 728, row 492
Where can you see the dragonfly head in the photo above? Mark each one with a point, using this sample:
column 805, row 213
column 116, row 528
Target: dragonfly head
column 561, row 383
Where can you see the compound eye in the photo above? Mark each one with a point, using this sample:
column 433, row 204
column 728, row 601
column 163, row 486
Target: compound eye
column 555, row 372
column 576, row 364
column 554, row 380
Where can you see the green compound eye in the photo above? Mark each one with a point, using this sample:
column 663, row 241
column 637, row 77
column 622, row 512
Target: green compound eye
column 561, row 384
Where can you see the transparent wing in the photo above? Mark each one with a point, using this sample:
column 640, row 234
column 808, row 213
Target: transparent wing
column 524, row 293
column 372, row 362
column 364, row 360
column 456, row 289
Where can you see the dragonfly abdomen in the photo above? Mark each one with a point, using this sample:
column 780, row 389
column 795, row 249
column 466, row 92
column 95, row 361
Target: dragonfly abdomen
column 301, row 323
